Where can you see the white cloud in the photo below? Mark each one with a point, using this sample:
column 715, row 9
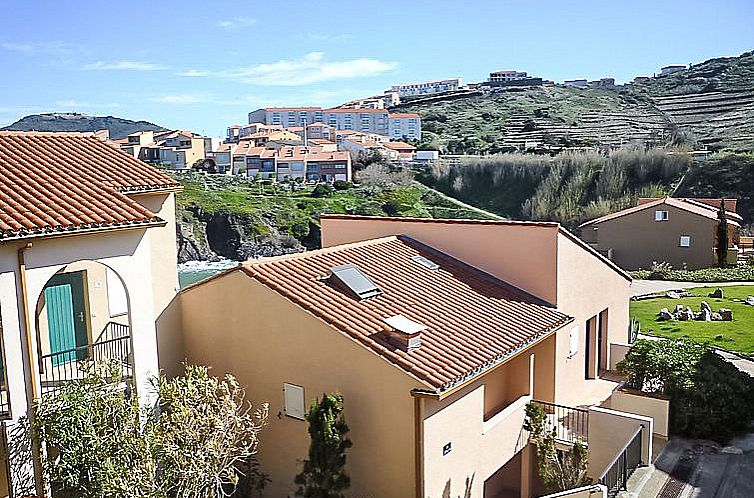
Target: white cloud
column 306, row 70
column 194, row 73
column 123, row 66
column 183, row 98
column 49, row 48
column 237, row 22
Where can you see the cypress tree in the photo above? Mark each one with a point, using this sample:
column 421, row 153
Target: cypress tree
column 722, row 235
column 323, row 475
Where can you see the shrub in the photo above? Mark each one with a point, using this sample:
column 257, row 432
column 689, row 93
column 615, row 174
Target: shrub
column 709, row 397
column 323, row 475
column 739, row 273
column 342, row 185
column 322, row 190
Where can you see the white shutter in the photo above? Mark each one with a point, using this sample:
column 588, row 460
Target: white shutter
column 117, row 302
column 573, row 342
column 294, row 401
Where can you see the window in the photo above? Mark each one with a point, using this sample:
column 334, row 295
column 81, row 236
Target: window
column 294, row 401
column 661, row 215
column 685, row 241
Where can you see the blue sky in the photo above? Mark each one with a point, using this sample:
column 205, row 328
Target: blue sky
column 204, row 65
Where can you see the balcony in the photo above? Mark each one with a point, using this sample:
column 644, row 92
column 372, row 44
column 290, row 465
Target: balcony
column 570, row 424
column 113, row 345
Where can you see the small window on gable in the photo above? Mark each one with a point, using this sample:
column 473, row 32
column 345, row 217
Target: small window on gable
column 573, row 341
column 685, row 241
column 661, row 215
column 294, row 401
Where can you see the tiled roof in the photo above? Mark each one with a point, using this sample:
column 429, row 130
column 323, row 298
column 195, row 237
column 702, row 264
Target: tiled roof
column 398, row 115
column 473, row 320
column 53, row 183
column 399, row 146
column 688, row 205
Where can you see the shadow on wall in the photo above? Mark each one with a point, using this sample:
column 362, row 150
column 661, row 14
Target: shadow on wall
column 467, row 489
column 20, row 457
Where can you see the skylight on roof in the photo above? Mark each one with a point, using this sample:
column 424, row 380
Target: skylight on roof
column 354, row 280
column 425, row 262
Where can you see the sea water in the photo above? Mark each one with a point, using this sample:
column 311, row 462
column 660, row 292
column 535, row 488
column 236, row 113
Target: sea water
column 194, row 271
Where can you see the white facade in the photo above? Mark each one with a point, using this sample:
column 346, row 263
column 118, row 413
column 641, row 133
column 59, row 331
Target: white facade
column 406, row 126
column 427, row 87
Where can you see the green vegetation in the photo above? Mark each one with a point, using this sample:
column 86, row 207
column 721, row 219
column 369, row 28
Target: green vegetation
column 739, row 273
column 324, row 473
column 194, row 442
column 559, row 469
column 570, row 187
column 709, row 397
column 736, row 335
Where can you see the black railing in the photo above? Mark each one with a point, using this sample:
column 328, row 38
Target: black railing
column 113, row 345
column 570, row 424
column 623, row 465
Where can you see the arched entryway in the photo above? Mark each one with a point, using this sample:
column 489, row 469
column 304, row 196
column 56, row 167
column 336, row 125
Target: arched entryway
column 82, row 314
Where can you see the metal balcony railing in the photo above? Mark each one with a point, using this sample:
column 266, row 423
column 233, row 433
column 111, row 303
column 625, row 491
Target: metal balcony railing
column 570, row 424
column 113, row 344
column 626, row 460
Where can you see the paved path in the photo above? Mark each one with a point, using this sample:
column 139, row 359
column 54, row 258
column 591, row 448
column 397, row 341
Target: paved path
column 715, row 472
column 644, row 287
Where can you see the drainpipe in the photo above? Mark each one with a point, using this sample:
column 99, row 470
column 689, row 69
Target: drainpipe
column 418, row 445
column 31, row 395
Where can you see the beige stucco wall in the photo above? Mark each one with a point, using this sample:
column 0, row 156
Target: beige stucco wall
column 587, row 287
column 609, row 432
column 637, row 240
column 164, row 261
column 482, row 441
column 641, row 404
column 522, row 254
column 237, row 325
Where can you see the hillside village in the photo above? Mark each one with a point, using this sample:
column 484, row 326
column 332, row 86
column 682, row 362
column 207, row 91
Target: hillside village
column 508, row 288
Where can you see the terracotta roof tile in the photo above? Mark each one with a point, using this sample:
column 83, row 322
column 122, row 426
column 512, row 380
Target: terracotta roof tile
column 473, row 320
column 52, row 183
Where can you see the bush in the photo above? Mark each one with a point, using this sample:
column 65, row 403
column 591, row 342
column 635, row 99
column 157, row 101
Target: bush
column 322, row 190
column 342, row 185
column 739, row 273
column 709, row 397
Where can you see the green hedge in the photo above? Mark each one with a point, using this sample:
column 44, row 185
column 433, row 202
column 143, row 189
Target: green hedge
column 740, row 273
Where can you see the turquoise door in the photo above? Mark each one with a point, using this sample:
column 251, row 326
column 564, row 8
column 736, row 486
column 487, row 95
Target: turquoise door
column 66, row 317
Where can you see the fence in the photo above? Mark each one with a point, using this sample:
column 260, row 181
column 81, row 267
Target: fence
column 623, row 465
column 569, row 424
column 113, row 344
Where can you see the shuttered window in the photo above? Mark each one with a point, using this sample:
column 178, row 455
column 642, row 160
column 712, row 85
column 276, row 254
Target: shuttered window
column 294, row 401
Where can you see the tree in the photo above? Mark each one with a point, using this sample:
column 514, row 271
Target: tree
column 323, row 475
column 322, row 190
column 709, row 397
column 193, row 444
column 722, row 235
column 559, row 469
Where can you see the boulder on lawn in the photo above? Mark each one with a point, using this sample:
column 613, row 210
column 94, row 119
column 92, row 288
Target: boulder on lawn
column 678, row 309
column 726, row 314
column 716, row 317
column 717, row 293
column 706, row 315
column 665, row 314
column 689, row 313
column 673, row 295
column 706, row 306
column 750, row 300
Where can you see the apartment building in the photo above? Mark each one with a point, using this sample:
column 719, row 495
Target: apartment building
column 176, row 149
column 312, row 163
column 361, row 145
column 380, row 121
column 506, row 76
column 672, row 68
column 578, row 83
column 602, row 83
column 678, row 231
column 341, row 135
column 438, row 333
column 87, row 270
column 427, row 87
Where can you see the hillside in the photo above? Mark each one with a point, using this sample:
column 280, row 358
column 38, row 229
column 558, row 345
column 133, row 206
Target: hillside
column 226, row 217
column 119, row 127
column 710, row 104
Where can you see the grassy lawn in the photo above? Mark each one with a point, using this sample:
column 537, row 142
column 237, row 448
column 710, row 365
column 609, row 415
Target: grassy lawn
column 737, row 335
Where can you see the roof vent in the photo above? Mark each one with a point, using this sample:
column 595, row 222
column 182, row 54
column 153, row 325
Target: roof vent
column 425, row 262
column 352, row 279
column 405, row 333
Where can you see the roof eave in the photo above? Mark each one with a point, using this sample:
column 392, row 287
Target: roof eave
column 69, row 232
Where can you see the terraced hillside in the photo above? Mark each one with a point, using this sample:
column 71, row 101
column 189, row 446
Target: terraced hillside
column 711, row 104
column 543, row 117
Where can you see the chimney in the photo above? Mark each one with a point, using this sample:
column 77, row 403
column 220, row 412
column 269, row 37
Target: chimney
column 404, row 333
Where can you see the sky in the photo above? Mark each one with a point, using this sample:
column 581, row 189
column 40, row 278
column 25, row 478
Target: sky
column 204, row 65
